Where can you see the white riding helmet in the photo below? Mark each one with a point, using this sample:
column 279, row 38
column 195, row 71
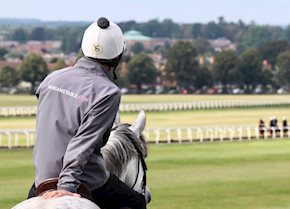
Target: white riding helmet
column 103, row 40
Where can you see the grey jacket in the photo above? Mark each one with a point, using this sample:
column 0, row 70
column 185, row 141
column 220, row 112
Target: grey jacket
column 76, row 110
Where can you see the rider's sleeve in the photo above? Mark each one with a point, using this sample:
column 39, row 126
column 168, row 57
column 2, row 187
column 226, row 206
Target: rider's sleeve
column 88, row 139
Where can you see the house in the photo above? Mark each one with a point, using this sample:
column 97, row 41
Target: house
column 37, row 47
column 11, row 63
column 132, row 37
column 222, row 44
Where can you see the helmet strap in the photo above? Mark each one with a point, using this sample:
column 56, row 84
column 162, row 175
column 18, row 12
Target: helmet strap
column 115, row 74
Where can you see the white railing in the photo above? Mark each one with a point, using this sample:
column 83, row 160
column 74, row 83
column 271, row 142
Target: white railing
column 18, row 111
column 210, row 134
column 199, row 105
column 149, row 107
column 16, row 138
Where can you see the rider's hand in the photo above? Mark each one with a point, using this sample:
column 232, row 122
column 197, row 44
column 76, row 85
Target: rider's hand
column 59, row 193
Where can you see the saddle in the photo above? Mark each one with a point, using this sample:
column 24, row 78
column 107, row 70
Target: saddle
column 51, row 184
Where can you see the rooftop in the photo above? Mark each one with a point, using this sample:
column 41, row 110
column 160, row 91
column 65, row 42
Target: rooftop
column 135, row 36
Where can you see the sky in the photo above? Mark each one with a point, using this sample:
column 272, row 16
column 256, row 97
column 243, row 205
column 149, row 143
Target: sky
column 271, row 12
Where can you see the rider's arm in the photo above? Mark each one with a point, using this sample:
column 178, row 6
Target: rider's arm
column 88, row 138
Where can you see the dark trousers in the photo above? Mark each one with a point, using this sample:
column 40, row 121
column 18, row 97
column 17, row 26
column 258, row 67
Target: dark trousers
column 114, row 194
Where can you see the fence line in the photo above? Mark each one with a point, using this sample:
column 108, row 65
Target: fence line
column 199, row 105
column 26, row 138
column 18, row 111
column 149, row 107
column 16, row 138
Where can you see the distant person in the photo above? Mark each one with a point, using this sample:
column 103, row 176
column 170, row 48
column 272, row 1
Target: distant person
column 271, row 125
column 262, row 128
column 285, row 126
column 76, row 110
column 276, row 126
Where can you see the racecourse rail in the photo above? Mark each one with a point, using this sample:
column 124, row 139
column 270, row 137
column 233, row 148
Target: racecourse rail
column 157, row 107
column 26, row 138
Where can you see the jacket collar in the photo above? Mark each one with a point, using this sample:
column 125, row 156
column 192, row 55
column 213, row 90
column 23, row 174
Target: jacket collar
column 91, row 65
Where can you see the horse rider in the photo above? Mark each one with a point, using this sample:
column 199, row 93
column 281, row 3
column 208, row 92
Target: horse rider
column 76, row 110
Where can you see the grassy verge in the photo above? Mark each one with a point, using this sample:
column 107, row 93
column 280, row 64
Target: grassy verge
column 246, row 175
column 193, row 118
column 220, row 176
column 17, row 100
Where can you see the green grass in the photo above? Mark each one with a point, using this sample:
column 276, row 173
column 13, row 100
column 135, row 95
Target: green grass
column 221, row 117
column 17, row 100
column 17, row 123
column 16, row 175
column 221, row 176
column 240, row 175
column 193, row 118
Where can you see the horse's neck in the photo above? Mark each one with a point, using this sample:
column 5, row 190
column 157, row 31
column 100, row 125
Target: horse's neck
column 133, row 175
column 122, row 159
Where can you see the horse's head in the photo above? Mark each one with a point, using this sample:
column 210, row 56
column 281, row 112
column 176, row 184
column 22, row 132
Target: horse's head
column 125, row 154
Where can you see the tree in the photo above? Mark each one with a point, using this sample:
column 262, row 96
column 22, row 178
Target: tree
column 9, row 77
column 203, row 77
column 287, row 33
column 20, row 35
column 169, row 29
column 126, row 26
column 149, row 28
column 14, row 55
column 137, row 48
column 71, row 41
column 250, row 67
column 232, row 32
column 182, row 64
column 59, row 64
column 141, row 71
column 225, row 70
column 33, row 70
column 271, row 50
column 221, row 20
column 283, row 68
column 277, row 33
column 197, row 30
column 37, row 34
column 255, row 37
column 154, row 28
column 185, row 32
column 202, row 45
column 213, row 30
column 3, row 51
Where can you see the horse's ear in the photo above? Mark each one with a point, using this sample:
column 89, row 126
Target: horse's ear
column 139, row 124
column 117, row 121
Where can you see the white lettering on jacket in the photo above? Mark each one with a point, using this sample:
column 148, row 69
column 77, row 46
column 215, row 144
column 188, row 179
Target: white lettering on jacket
column 69, row 93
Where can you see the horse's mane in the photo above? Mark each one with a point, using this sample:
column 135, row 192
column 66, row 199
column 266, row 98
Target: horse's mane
column 120, row 148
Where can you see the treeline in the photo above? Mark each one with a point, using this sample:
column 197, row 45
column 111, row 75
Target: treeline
column 245, row 35
column 33, row 70
column 267, row 67
column 182, row 70
column 188, row 61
